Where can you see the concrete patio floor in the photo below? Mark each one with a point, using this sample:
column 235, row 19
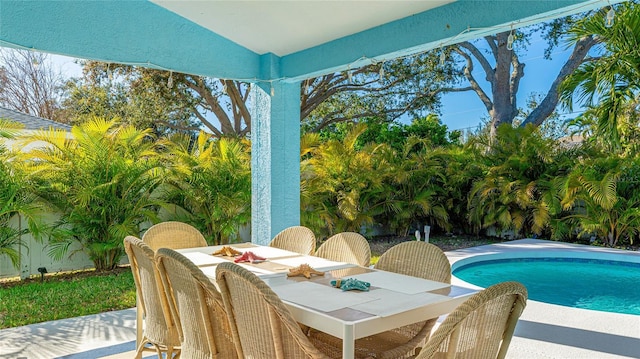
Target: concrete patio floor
column 544, row 330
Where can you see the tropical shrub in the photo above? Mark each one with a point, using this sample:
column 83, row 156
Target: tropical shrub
column 209, row 182
column 16, row 200
column 461, row 167
column 518, row 190
column 342, row 185
column 100, row 182
column 429, row 130
column 610, row 79
column 604, row 195
column 415, row 192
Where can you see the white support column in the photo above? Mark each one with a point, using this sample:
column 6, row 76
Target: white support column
column 275, row 159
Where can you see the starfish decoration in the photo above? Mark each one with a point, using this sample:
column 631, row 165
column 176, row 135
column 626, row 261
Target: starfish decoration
column 249, row 257
column 226, row 251
column 351, row 284
column 303, row 269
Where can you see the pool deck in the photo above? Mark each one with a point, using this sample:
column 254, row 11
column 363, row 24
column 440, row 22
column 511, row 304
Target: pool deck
column 553, row 331
column 544, row 330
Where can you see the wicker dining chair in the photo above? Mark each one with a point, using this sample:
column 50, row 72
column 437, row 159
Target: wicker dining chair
column 417, row 259
column 159, row 328
column 481, row 327
column 196, row 306
column 261, row 324
column 349, row 247
column 174, row 235
column 297, row 239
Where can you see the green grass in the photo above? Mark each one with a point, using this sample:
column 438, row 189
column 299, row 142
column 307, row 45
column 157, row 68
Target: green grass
column 65, row 296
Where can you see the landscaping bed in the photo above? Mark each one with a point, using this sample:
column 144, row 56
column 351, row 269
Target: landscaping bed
column 446, row 242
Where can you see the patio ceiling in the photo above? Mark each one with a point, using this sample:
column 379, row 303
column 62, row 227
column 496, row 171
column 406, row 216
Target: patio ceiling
column 261, row 40
column 285, row 27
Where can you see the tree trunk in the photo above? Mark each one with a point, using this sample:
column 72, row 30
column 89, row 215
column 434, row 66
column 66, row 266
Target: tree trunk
column 504, row 78
column 502, row 111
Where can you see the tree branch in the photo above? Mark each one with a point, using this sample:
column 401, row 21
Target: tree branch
column 548, row 105
column 486, row 66
column 491, row 41
column 199, row 86
column 208, row 124
column 474, row 83
column 319, row 93
column 239, row 105
column 396, row 112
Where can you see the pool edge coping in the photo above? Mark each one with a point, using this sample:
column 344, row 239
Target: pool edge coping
column 529, row 245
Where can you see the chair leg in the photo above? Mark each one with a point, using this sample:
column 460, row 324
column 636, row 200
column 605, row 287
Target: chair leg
column 170, row 352
column 159, row 350
column 139, row 320
column 141, row 345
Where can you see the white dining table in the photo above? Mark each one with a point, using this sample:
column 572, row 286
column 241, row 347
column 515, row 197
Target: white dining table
column 392, row 301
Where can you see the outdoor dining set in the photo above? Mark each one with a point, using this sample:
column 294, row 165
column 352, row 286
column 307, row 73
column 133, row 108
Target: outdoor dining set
column 289, row 300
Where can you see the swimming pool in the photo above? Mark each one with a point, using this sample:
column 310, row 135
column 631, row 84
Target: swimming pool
column 561, row 278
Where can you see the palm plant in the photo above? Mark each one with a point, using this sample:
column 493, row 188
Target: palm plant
column 415, row 193
column 342, row 184
column 604, row 196
column 17, row 201
column 210, row 183
column 100, row 182
column 611, row 79
column 461, row 166
column 9, row 129
column 519, row 189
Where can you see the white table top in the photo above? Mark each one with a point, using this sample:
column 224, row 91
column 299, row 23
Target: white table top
column 393, row 300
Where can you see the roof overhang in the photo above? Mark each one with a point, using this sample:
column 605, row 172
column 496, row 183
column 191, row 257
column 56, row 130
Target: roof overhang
column 266, row 40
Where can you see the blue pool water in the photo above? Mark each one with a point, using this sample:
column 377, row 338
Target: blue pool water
column 604, row 285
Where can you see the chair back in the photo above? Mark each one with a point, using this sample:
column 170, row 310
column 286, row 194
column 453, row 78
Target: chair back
column 261, row 324
column 297, row 239
column 196, row 306
column 417, row 259
column 174, row 235
column 349, row 247
column 481, row 327
column 159, row 327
